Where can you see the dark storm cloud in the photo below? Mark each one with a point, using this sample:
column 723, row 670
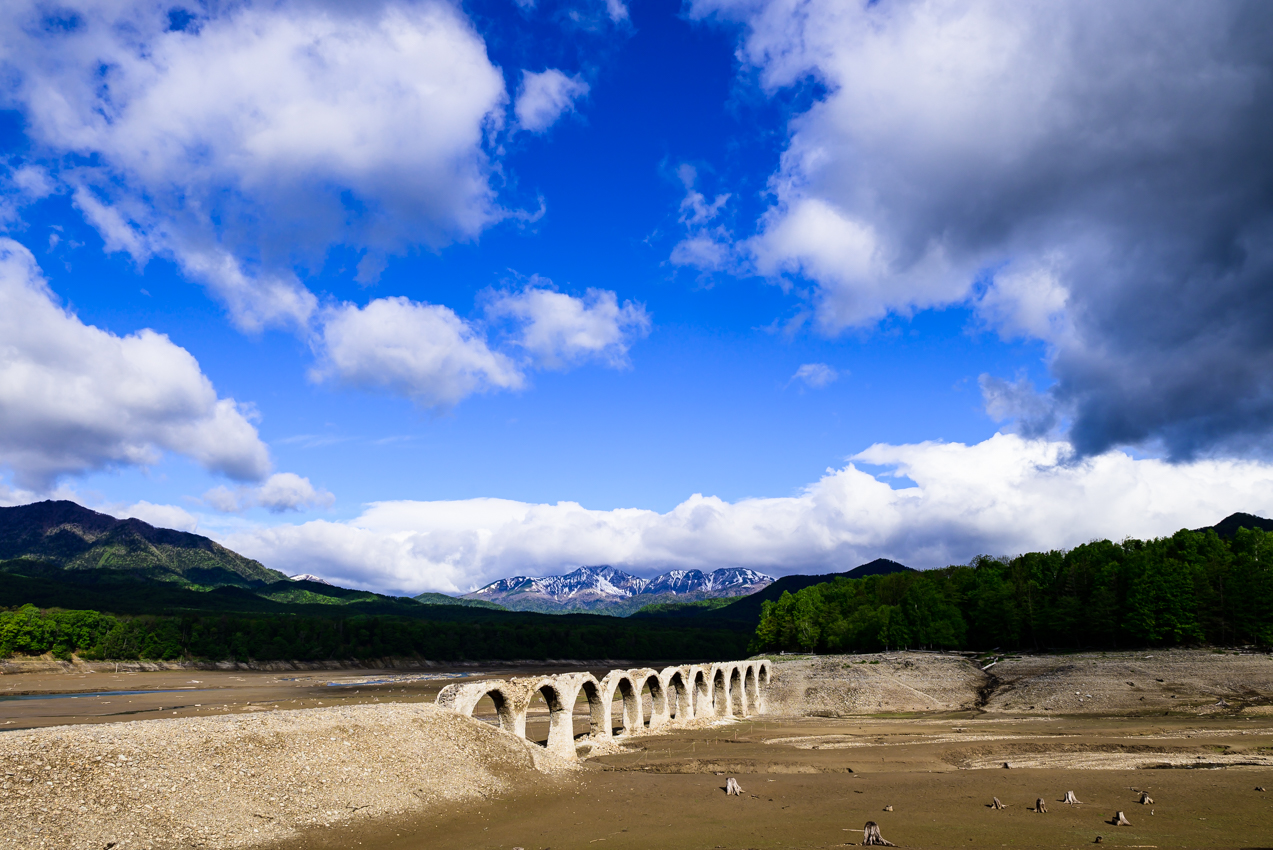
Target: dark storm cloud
column 1108, row 166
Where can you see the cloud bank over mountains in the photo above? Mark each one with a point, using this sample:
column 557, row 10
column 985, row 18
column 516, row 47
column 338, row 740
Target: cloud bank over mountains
column 1005, row 495
column 1092, row 175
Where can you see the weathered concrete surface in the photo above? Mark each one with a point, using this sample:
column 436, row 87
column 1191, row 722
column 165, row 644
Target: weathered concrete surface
column 678, row 695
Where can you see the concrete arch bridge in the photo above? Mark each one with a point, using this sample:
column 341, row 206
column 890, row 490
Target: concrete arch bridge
column 677, row 695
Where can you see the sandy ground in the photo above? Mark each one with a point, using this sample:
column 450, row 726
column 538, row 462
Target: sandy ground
column 927, row 734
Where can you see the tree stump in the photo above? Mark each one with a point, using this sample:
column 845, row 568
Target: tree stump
column 997, row 804
column 1040, row 807
column 732, row 787
column 871, row 836
column 1145, row 799
column 1120, row 819
column 1071, row 799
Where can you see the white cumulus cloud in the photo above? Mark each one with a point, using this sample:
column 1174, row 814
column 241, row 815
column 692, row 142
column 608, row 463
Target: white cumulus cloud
column 560, row 330
column 545, row 96
column 75, row 398
column 1005, row 495
column 258, row 135
column 281, row 492
column 815, row 375
column 422, row 351
column 160, row 516
column 429, row 354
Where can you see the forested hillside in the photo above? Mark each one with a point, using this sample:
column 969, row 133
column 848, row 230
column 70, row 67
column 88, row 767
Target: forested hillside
column 1193, row 587
column 61, row 538
column 253, row 637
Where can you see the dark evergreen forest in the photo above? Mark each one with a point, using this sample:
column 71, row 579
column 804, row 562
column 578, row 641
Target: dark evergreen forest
column 29, row 630
column 1194, row 587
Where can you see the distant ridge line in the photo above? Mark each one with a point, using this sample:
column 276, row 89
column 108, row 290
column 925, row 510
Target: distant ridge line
column 606, row 589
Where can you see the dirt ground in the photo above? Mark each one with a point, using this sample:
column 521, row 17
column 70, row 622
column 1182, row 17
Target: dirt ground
column 926, row 734
column 814, row 782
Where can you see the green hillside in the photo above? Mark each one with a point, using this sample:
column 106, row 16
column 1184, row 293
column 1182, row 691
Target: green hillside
column 110, row 614
column 77, row 582
column 1195, row 587
column 69, row 538
column 443, row 599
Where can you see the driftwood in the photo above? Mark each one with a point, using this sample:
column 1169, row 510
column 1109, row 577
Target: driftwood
column 1040, row 807
column 997, row 804
column 871, row 836
column 1071, row 799
column 1120, row 819
column 732, row 787
column 1145, row 799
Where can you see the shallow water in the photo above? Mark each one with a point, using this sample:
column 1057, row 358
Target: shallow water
column 90, row 694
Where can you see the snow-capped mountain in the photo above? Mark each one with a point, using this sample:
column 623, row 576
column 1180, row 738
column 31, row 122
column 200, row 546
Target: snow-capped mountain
column 310, row 577
column 604, row 587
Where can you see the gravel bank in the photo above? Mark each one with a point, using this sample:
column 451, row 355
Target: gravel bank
column 1178, row 680
column 234, row 781
column 837, row 685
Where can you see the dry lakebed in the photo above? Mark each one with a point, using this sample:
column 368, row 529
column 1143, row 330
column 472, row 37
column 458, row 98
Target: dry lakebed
column 94, row 756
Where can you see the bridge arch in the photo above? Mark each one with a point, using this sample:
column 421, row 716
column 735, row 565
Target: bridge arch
column 643, row 678
column 737, row 693
column 679, row 705
column 463, row 699
column 720, row 690
column 570, row 686
column 620, row 682
column 560, row 693
column 701, row 690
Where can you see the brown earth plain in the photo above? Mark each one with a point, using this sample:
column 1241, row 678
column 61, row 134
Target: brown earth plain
column 920, row 743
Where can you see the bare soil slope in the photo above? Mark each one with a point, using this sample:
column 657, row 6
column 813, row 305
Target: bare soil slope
column 835, row 685
column 1190, row 681
column 1183, row 680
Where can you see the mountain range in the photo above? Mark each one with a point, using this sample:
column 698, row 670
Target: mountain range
column 60, row 554
column 605, row 589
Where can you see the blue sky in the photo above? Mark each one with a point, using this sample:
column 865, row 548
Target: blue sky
column 452, row 292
